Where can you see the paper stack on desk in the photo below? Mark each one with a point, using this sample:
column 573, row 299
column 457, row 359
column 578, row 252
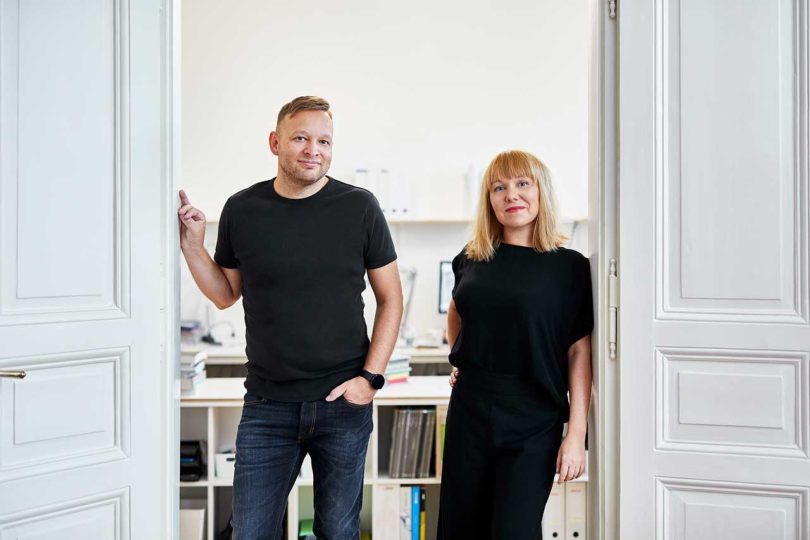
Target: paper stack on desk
column 192, row 370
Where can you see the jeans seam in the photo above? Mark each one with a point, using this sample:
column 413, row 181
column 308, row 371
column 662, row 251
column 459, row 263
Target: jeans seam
column 293, row 472
column 314, row 410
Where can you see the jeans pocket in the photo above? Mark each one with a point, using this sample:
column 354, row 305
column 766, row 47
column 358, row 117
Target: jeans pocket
column 355, row 405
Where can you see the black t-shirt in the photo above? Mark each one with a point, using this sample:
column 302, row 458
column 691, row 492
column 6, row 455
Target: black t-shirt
column 520, row 312
column 303, row 264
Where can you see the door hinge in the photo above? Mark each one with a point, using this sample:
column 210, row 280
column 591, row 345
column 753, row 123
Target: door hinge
column 612, row 9
column 613, row 308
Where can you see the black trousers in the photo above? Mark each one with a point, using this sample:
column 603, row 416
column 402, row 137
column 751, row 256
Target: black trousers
column 500, row 454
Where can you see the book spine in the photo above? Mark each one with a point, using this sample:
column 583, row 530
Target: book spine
column 395, row 441
column 426, row 450
column 415, row 512
column 412, row 448
column 422, row 527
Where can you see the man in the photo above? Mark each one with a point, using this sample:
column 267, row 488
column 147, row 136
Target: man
column 297, row 248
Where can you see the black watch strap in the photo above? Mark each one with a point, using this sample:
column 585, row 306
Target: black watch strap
column 376, row 380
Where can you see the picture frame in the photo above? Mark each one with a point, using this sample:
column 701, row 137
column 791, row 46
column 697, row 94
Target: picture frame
column 446, row 282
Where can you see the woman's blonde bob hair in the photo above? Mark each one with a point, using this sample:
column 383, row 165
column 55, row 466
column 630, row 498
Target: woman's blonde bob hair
column 487, row 232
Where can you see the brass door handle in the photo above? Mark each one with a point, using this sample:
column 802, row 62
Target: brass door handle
column 12, row 374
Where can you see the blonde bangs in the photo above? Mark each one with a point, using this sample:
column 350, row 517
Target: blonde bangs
column 488, row 232
column 508, row 165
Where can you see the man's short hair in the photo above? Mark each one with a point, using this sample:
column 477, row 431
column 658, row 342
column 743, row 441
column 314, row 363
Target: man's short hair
column 303, row 103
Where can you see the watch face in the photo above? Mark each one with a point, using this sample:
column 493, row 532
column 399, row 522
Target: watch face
column 377, row 382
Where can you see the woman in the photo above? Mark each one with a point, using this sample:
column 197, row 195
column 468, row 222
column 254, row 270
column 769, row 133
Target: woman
column 520, row 324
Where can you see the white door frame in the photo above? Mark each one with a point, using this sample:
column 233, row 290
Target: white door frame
column 603, row 486
column 603, row 516
column 603, row 511
column 170, row 388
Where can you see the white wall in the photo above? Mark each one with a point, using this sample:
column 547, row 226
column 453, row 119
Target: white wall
column 428, row 90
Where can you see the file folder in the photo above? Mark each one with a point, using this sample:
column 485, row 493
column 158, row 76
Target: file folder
column 554, row 515
column 576, row 509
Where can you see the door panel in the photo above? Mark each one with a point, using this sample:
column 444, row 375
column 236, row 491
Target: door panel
column 757, row 406
column 714, row 335
column 104, row 517
column 65, row 143
column 727, row 101
column 707, row 511
column 71, row 409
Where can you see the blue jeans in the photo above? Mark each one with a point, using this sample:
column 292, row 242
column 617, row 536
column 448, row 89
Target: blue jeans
column 271, row 443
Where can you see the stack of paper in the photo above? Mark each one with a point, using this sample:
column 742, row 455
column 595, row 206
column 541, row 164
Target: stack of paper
column 398, row 369
column 192, row 370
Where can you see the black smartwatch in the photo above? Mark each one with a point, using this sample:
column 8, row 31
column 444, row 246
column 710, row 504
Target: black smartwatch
column 376, row 380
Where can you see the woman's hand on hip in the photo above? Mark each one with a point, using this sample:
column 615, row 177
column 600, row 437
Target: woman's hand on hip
column 453, row 377
column 571, row 458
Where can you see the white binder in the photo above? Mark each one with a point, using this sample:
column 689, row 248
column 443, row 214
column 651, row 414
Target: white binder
column 385, row 517
column 404, row 520
column 576, row 510
column 554, row 515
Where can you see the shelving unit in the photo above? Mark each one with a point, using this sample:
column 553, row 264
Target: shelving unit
column 212, row 414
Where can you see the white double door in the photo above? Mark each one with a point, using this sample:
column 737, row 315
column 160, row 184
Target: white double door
column 714, row 356
column 85, row 449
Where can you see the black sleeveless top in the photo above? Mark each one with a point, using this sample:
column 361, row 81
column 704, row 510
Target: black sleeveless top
column 520, row 312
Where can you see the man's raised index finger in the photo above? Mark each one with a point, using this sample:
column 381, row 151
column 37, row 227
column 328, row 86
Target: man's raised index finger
column 184, row 198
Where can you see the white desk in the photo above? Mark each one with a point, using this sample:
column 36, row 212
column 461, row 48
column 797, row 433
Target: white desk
column 233, row 353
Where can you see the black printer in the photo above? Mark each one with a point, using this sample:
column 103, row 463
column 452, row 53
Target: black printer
column 191, row 461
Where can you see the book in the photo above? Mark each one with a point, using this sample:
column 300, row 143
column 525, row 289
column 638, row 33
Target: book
column 397, row 377
column 426, row 444
column 416, row 498
column 404, row 440
column 398, row 369
column 411, row 445
column 395, row 454
column 422, row 519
